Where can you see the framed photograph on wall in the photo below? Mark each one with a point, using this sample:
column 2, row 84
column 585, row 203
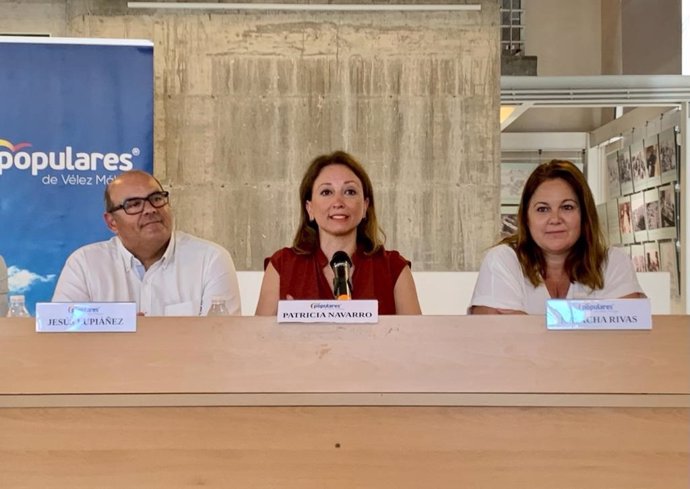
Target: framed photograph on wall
column 613, row 174
column 668, row 255
column 513, row 178
column 612, row 222
column 652, row 214
column 625, row 167
column 508, row 220
column 638, row 258
column 638, row 164
column 639, row 217
column 651, row 254
column 668, row 155
column 667, row 211
column 625, row 220
column 651, row 154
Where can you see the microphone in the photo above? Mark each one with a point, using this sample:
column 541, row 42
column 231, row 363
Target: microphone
column 342, row 288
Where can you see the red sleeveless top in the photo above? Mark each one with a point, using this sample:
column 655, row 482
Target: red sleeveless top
column 373, row 277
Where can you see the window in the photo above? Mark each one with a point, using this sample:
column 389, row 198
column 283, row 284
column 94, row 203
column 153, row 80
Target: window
column 512, row 35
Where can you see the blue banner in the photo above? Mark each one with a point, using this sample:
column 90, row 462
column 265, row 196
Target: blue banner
column 75, row 113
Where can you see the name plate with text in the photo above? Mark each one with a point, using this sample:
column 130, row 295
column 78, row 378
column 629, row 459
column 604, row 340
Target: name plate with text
column 598, row 314
column 86, row 317
column 356, row 311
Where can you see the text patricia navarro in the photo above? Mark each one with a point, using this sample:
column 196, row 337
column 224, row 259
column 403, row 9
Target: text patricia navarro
column 325, row 315
column 106, row 321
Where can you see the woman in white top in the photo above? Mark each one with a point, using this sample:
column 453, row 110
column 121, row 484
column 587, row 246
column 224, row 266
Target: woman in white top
column 558, row 250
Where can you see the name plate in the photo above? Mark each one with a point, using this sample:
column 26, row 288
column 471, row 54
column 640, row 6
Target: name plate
column 598, row 314
column 359, row 311
column 86, row 317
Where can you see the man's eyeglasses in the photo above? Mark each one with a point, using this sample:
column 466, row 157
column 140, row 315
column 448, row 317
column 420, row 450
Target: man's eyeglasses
column 135, row 205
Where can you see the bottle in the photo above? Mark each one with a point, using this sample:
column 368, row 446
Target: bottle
column 218, row 307
column 17, row 307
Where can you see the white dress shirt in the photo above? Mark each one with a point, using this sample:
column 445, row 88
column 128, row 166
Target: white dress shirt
column 502, row 285
column 181, row 283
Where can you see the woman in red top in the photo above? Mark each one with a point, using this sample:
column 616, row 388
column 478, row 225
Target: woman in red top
column 338, row 214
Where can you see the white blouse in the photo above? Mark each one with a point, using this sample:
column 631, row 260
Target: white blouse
column 502, row 285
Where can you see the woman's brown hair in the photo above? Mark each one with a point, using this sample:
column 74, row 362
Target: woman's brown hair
column 587, row 257
column 369, row 235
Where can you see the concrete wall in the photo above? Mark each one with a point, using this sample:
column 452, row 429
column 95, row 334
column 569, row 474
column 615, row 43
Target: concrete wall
column 651, row 37
column 611, row 37
column 597, row 37
column 565, row 36
column 33, row 17
column 244, row 101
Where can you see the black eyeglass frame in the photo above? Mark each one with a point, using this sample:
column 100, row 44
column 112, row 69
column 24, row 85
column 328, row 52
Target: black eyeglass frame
column 127, row 202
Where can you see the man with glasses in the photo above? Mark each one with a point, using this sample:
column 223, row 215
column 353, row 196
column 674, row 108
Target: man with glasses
column 166, row 272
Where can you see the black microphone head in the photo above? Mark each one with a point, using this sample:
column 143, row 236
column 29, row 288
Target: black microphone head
column 342, row 287
column 340, row 257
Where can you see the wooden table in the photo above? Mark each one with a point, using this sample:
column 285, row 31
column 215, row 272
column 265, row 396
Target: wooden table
column 411, row 402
